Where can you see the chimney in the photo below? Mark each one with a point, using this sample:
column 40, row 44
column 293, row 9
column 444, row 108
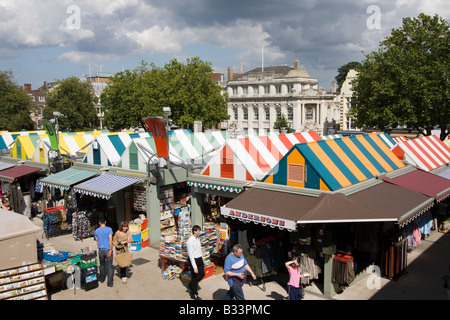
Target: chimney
column 297, row 64
column 333, row 86
column 27, row 87
column 230, row 73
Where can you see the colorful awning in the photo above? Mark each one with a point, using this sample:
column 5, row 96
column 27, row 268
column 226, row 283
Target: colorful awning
column 105, row 185
column 9, row 175
column 426, row 153
column 67, row 178
column 214, row 186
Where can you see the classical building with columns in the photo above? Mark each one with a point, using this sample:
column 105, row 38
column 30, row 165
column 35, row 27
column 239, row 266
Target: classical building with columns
column 260, row 96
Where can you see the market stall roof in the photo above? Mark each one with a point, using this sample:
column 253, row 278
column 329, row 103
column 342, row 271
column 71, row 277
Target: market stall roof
column 13, row 225
column 335, row 164
column 403, row 205
column 251, row 158
column 67, row 178
column 444, row 173
column 271, row 208
column 426, row 153
column 9, row 175
column 5, row 165
column 105, row 185
column 426, row 183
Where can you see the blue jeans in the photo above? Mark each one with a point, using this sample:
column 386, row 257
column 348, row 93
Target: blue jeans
column 235, row 292
column 106, row 267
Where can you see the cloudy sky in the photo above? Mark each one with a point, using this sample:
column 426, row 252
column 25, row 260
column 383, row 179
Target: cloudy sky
column 43, row 40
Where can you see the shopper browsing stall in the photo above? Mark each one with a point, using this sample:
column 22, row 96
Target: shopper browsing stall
column 121, row 240
column 194, row 250
column 103, row 237
column 295, row 273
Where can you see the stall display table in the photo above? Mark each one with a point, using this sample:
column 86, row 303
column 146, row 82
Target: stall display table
column 165, row 261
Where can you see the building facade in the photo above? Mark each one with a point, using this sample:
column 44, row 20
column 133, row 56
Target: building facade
column 345, row 100
column 260, row 96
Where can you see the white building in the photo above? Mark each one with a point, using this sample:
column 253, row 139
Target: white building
column 259, row 96
column 347, row 123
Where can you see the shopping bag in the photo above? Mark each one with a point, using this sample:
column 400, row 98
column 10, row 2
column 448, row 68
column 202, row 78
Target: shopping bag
column 124, row 259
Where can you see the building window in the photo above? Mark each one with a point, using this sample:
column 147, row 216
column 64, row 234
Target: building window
column 296, row 173
column 255, row 90
column 245, row 90
column 290, row 88
column 235, row 91
column 309, row 113
column 235, row 113
column 278, row 89
column 290, row 115
column 266, row 89
column 278, row 112
column 245, row 112
column 256, row 113
column 267, row 113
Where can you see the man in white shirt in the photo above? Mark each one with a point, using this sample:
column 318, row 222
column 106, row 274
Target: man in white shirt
column 194, row 250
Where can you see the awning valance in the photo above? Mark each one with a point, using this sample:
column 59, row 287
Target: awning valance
column 213, row 186
column 105, row 185
column 9, row 175
column 423, row 182
column 67, row 178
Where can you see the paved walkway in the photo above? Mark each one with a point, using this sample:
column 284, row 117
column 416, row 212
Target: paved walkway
column 423, row 281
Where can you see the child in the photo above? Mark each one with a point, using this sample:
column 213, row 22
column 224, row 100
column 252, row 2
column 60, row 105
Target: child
column 295, row 273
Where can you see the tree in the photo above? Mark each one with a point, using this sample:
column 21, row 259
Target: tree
column 343, row 71
column 76, row 100
column 282, row 124
column 406, row 82
column 187, row 89
column 15, row 105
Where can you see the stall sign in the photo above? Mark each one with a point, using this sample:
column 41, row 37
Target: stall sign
column 259, row 218
column 159, row 132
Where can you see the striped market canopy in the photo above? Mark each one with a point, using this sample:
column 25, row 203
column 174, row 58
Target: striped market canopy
column 426, row 153
column 67, row 178
column 105, row 185
column 334, row 164
column 252, row 157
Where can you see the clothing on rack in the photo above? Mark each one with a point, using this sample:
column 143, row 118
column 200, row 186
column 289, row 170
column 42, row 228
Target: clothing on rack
column 395, row 259
column 81, row 225
column 342, row 272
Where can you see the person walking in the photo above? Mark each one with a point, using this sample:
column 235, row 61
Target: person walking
column 295, row 273
column 103, row 237
column 194, row 250
column 236, row 268
column 120, row 240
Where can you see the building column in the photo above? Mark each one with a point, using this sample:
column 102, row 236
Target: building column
column 196, row 207
column 153, row 213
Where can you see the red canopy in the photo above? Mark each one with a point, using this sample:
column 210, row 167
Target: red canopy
column 429, row 184
column 9, row 175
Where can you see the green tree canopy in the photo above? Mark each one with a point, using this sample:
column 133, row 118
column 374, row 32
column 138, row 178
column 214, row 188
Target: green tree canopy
column 76, row 100
column 282, row 124
column 15, row 105
column 406, row 82
column 187, row 89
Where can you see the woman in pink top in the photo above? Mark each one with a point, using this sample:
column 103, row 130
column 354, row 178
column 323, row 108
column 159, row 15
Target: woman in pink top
column 295, row 273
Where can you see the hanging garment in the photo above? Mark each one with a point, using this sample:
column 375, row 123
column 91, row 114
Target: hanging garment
column 342, row 272
column 27, row 205
column 81, row 226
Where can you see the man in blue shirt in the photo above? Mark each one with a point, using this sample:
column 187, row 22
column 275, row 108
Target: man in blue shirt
column 103, row 236
column 236, row 268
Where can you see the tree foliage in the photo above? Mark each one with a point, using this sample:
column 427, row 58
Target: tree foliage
column 15, row 105
column 282, row 124
column 76, row 100
column 406, row 82
column 187, row 89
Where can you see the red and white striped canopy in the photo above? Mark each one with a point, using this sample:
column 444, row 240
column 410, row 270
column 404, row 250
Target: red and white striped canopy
column 251, row 158
column 426, row 153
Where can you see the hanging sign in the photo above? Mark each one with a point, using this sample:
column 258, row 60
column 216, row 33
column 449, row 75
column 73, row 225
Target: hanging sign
column 158, row 130
column 48, row 126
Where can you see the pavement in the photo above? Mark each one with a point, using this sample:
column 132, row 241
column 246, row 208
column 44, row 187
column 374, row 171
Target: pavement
column 426, row 264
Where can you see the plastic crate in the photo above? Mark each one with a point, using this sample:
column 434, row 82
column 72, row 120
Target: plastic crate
column 209, row 271
column 144, row 224
column 145, row 242
column 144, row 234
column 134, row 227
column 136, row 246
column 87, row 264
column 136, row 237
column 56, row 257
